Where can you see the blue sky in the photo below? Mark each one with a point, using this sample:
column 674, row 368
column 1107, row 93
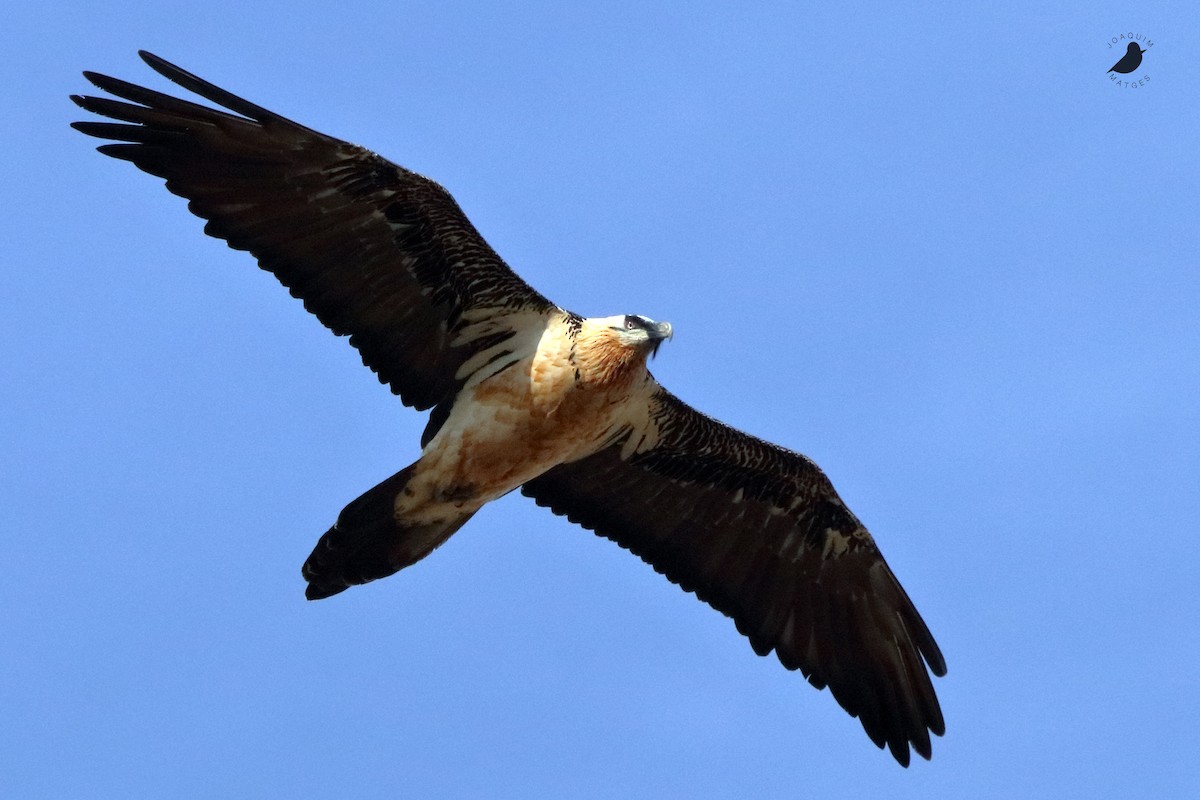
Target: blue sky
column 932, row 247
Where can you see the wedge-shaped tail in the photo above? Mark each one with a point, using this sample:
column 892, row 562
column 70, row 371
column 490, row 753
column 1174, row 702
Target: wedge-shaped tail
column 369, row 542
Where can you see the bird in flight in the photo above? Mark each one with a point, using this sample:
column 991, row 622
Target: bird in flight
column 1130, row 61
column 525, row 394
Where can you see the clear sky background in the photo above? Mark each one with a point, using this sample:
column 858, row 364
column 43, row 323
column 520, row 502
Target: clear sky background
column 932, row 247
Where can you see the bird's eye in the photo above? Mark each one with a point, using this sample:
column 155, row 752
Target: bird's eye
column 630, row 324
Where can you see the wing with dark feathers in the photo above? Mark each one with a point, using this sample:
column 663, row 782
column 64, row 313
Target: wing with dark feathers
column 375, row 251
column 758, row 532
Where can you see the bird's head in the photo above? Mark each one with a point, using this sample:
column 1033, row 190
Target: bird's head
column 1134, row 48
column 611, row 350
column 640, row 333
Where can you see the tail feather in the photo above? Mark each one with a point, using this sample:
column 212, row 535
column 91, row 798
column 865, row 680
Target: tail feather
column 368, row 542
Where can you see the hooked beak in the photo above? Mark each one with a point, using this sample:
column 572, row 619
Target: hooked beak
column 660, row 332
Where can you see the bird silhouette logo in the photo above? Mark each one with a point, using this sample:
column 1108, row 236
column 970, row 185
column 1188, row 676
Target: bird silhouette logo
column 1130, row 61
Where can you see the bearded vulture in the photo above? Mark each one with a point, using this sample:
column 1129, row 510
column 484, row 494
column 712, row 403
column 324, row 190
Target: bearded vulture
column 525, row 394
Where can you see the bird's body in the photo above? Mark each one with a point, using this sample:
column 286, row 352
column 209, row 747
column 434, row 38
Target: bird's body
column 524, row 394
column 513, row 426
column 563, row 399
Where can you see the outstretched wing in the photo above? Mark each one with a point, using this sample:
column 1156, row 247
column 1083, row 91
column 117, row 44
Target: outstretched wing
column 759, row 533
column 375, row 251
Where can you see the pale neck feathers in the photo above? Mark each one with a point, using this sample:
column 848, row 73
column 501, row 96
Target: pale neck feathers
column 603, row 359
